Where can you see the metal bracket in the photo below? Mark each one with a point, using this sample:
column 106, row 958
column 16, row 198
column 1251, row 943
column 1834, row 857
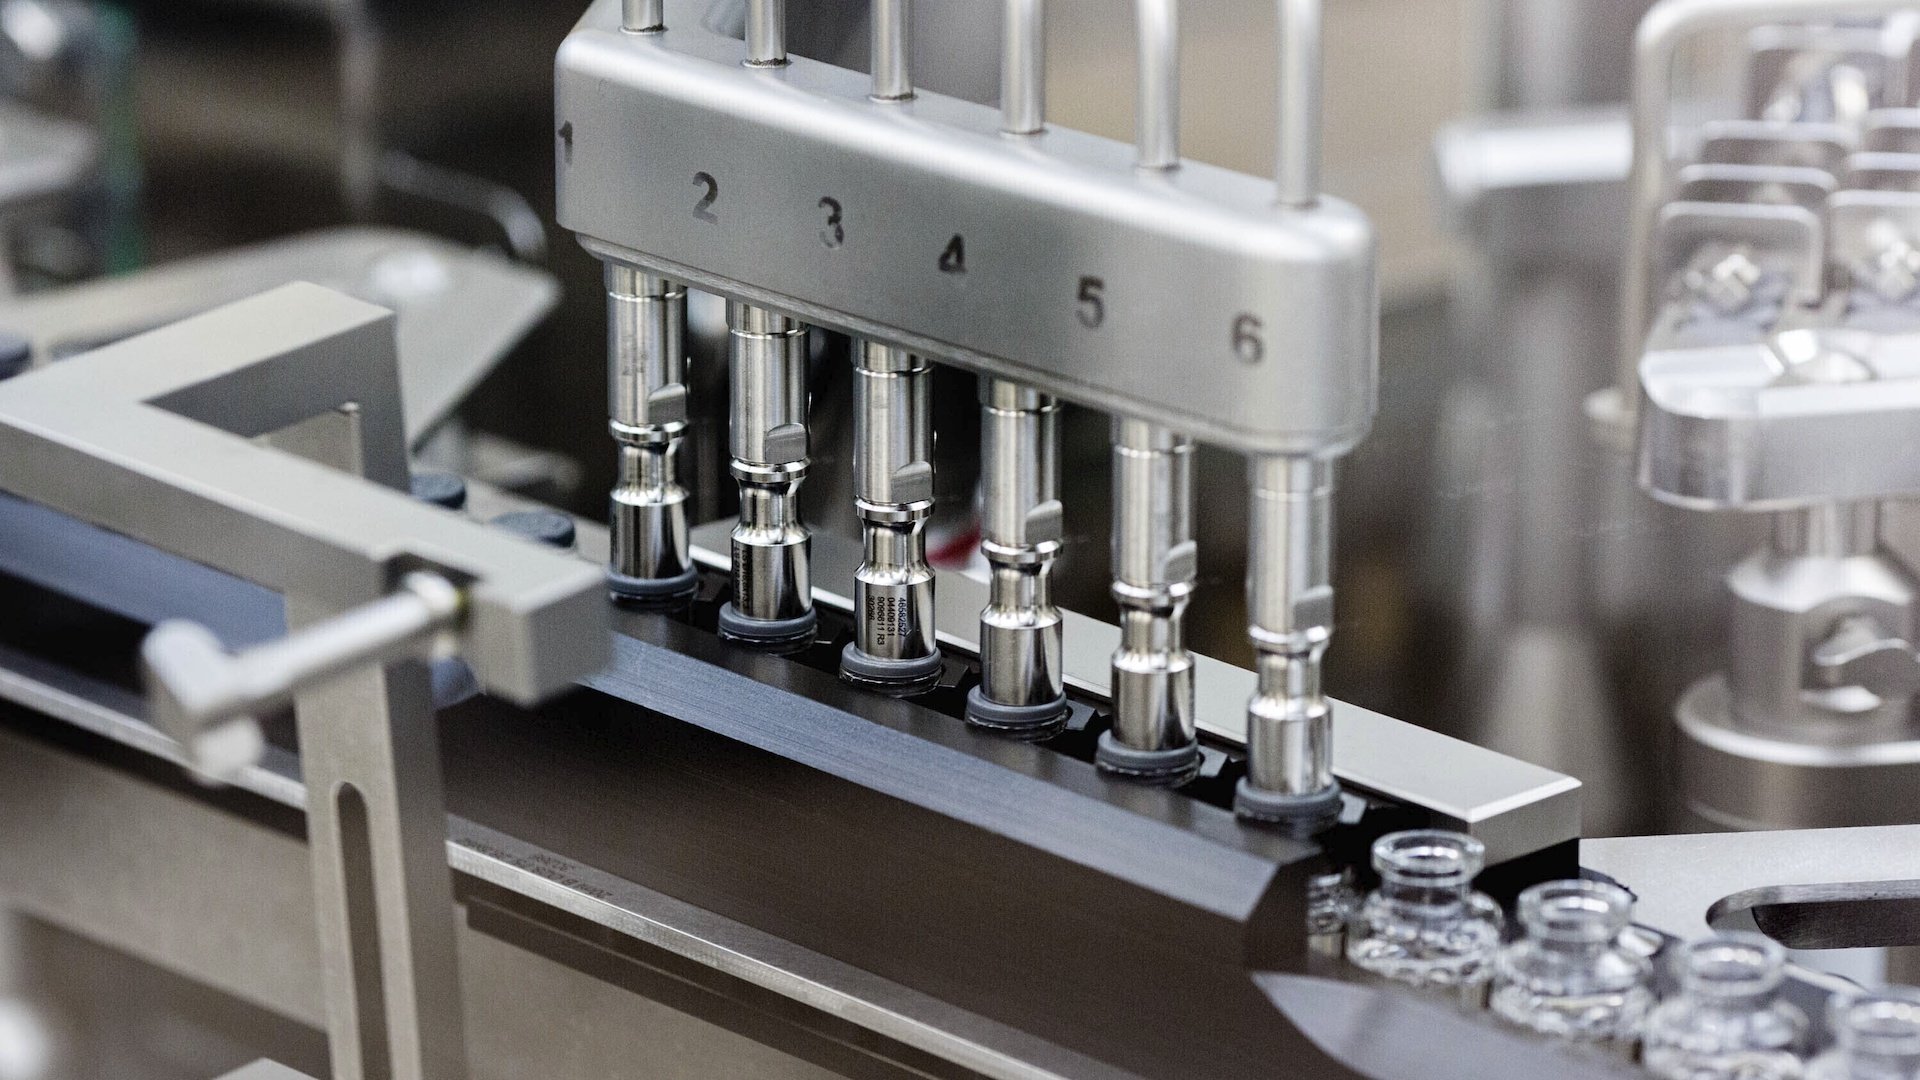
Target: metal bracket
column 151, row 438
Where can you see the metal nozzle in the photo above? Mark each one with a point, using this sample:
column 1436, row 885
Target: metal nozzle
column 646, row 349
column 772, row 590
column 893, row 644
column 1021, row 680
column 1154, row 560
column 1290, row 601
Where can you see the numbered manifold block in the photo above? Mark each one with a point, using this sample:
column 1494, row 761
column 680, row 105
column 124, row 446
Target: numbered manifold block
column 1186, row 297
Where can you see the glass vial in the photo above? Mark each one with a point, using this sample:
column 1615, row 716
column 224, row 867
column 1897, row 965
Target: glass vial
column 1569, row 976
column 1875, row 1037
column 1727, row 1020
column 1425, row 925
column 1331, row 902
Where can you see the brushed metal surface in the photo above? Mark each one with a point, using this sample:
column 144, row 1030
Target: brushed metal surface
column 968, row 246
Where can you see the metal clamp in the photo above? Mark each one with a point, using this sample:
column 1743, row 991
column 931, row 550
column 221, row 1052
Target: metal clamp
column 208, row 699
column 1862, row 652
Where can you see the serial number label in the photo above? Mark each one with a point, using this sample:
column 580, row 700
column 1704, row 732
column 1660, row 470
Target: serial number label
column 890, row 618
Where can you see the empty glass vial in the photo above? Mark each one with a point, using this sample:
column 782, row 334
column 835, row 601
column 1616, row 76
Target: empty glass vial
column 1727, row 1022
column 1568, row 976
column 1875, row 1037
column 1425, row 925
column 1331, row 902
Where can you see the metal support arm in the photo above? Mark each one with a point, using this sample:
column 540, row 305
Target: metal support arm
column 151, row 438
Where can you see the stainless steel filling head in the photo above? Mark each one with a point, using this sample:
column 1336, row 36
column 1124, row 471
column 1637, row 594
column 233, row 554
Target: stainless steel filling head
column 893, row 489
column 651, row 557
column 1021, row 534
column 1154, row 559
column 771, row 545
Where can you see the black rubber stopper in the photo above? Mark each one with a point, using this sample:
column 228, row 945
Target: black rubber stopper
column 737, row 627
column 16, row 353
column 653, row 590
column 1024, row 721
column 1170, row 767
column 1304, row 814
column 545, row 526
column 440, row 489
column 890, row 676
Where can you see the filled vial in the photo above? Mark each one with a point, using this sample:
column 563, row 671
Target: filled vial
column 1425, row 925
column 1727, row 1022
column 1568, row 975
column 1876, row 1036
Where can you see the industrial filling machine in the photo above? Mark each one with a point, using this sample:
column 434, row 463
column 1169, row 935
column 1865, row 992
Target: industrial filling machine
column 383, row 772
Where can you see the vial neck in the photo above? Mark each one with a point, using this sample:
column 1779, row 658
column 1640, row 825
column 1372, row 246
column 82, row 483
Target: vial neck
column 1571, row 948
column 1425, row 898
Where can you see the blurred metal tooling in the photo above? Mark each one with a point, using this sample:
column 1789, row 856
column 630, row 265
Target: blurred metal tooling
column 1779, row 376
column 1541, row 580
column 40, row 157
column 459, row 311
column 1813, row 889
column 1045, row 260
column 140, row 438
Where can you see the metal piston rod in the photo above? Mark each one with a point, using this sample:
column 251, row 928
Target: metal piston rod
column 1022, row 689
column 1289, row 564
column 1153, row 736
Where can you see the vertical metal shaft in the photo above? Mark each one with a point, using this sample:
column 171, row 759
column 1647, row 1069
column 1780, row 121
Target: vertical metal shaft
column 1290, row 601
column 1154, row 560
column 772, row 586
column 767, row 33
column 893, row 648
column 1022, row 688
column 1157, row 115
column 644, row 16
column 1023, row 67
column 892, row 49
column 1298, row 142
column 1154, row 557
column 646, row 350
